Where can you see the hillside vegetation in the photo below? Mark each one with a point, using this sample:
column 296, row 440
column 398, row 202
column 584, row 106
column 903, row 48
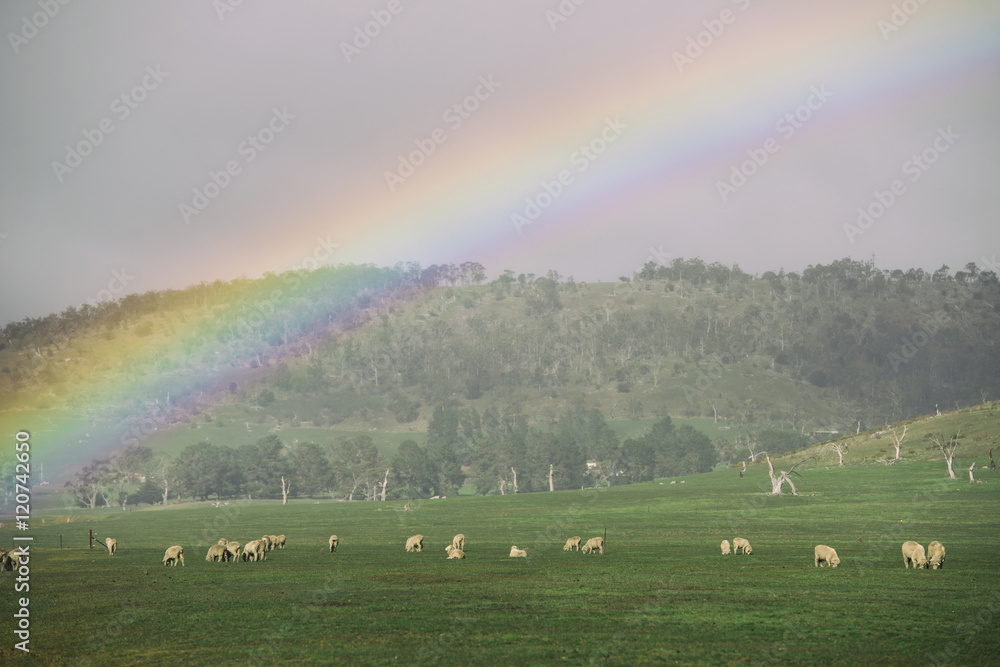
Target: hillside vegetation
column 361, row 350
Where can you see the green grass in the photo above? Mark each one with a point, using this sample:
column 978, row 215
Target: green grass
column 661, row 593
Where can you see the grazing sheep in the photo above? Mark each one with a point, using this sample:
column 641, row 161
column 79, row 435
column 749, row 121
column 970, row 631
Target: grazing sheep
column 914, row 553
column 935, row 555
column 254, row 550
column 518, row 553
column 458, row 541
column 454, row 552
column 280, row 541
column 223, row 541
column 334, row 541
column 725, row 548
column 234, row 551
column 173, row 554
column 265, row 542
column 594, row 543
column 217, row 552
column 740, row 543
column 415, row 543
column 112, row 545
column 825, row 554
column 8, row 561
column 572, row 544
column 273, row 539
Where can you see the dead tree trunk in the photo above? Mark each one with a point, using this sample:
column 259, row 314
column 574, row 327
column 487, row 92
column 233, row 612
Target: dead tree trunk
column 899, row 440
column 385, row 482
column 551, row 485
column 993, row 466
column 783, row 477
column 285, row 488
column 972, row 478
column 503, row 483
column 949, row 453
column 515, row 478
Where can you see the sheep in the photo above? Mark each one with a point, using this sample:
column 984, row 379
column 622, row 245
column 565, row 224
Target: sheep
column 217, row 552
column 935, row 555
column 572, row 544
column 173, row 554
column 11, row 561
column 254, row 550
column 458, row 541
column 725, row 548
column 273, row 539
column 454, row 552
column 280, row 541
column 594, row 543
column 223, row 541
column 112, row 545
column 234, row 551
column 415, row 543
column 334, row 541
column 824, row 554
column 518, row 553
column 914, row 553
column 265, row 542
column 740, row 543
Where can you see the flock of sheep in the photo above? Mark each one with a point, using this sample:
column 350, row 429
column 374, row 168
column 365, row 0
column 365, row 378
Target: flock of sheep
column 224, row 550
column 913, row 553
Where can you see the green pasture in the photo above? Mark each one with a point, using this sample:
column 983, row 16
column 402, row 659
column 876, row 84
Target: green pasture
column 662, row 592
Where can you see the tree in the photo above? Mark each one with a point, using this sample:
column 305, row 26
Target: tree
column 839, row 446
column 948, row 450
column 308, row 465
column 89, row 482
column 413, row 471
column 899, row 440
column 783, row 478
column 357, row 465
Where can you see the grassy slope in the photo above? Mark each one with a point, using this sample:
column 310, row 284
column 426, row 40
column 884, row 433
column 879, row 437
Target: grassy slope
column 662, row 592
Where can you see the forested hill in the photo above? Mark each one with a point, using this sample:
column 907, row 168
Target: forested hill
column 834, row 346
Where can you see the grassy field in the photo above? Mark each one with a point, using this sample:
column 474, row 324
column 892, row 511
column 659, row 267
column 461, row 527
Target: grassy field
column 661, row 593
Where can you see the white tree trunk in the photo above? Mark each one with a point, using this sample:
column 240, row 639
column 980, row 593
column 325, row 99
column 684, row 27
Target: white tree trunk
column 503, row 483
column 899, row 440
column 285, row 488
column 551, row 485
column 385, row 482
column 951, row 471
column 515, row 478
column 972, row 478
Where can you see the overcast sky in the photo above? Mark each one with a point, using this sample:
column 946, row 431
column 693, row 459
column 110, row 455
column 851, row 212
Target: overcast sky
column 147, row 145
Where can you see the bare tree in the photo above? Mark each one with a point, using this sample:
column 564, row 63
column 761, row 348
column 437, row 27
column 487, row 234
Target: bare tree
column 286, row 487
column 778, row 481
column 385, row 483
column 840, row 447
column 993, row 466
column 972, row 478
column 515, row 478
column 551, row 484
column 899, row 440
column 947, row 450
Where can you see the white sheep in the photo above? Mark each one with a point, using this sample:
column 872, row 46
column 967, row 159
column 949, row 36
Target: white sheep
column 572, row 544
column 518, row 553
column 112, row 545
column 234, row 551
column 173, row 554
column 594, row 543
column 454, row 552
column 824, row 554
column 740, row 543
column 217, row 552
column 415, row 543
column 458, row 541
column 935, row 555
column 265, row 543
column 223, row 541
column 254, row 550
column 913, row 553
column 725, row 548
column 280, row 541
column 334, row 541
